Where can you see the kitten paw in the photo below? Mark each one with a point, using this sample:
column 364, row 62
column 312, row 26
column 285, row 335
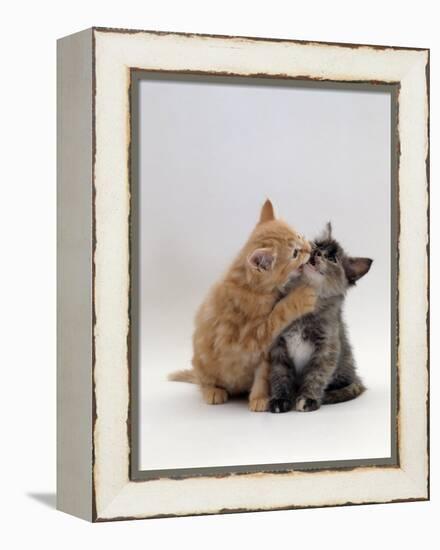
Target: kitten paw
column 309, row 299
column 303, row 300
column 214, row 396
column 306, row 404
column 259, row 404
column 280, row 405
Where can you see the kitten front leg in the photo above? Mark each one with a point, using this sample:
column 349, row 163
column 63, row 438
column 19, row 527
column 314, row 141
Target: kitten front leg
column 259, row 394
column 282, row 379
column 298, row 303
column 282, row 388
column 316, row 377
column 261, row 335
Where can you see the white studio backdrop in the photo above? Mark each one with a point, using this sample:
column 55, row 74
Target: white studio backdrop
column 28, row 277
column 210, row 154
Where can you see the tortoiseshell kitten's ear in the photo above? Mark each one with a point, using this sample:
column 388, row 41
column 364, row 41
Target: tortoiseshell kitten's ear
column 267, row 212
column 355, row 268
column 326, row 234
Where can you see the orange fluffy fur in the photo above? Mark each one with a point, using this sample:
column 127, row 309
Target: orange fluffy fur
column 242, row 315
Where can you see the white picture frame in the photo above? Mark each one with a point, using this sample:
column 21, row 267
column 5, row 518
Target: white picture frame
column 96, row 479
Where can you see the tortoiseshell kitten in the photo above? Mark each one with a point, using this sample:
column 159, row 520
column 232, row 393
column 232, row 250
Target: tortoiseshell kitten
column 312, row 361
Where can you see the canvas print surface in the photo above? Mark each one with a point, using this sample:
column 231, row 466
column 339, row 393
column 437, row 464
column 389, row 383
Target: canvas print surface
column 251, row 194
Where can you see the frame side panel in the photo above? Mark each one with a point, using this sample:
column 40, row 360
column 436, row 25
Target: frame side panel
column 74, row 274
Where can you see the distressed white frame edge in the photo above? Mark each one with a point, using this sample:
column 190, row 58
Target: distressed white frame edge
column 115, row 496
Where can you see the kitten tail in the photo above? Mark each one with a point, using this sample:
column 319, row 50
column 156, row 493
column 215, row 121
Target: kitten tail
column 186, row 375
column 346, row 393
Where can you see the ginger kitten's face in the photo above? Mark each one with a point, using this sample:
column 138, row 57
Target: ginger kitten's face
column 275, row 251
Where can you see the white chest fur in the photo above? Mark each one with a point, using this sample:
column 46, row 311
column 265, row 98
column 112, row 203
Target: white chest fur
column 300, row 350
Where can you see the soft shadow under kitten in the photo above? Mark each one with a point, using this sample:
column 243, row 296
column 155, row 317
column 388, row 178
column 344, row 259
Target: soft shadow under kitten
column 312, row 361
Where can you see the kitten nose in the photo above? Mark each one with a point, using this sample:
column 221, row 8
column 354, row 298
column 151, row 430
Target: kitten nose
column 313, row 256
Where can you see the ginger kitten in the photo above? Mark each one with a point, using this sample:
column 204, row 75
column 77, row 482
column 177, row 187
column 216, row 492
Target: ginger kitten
column 243, row 315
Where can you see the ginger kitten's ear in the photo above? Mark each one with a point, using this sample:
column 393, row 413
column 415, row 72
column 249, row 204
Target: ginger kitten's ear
column 267, row 213
column 355, row 268
column 261, row 259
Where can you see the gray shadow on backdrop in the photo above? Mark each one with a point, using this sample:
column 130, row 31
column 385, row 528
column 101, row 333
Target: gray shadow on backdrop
column 48, row 499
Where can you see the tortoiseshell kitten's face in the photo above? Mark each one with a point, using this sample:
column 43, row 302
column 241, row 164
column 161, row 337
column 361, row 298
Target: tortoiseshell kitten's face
column 330, row 270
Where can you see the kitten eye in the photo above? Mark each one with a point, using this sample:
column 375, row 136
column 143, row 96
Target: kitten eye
column 333, row 259
column 295, row 253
